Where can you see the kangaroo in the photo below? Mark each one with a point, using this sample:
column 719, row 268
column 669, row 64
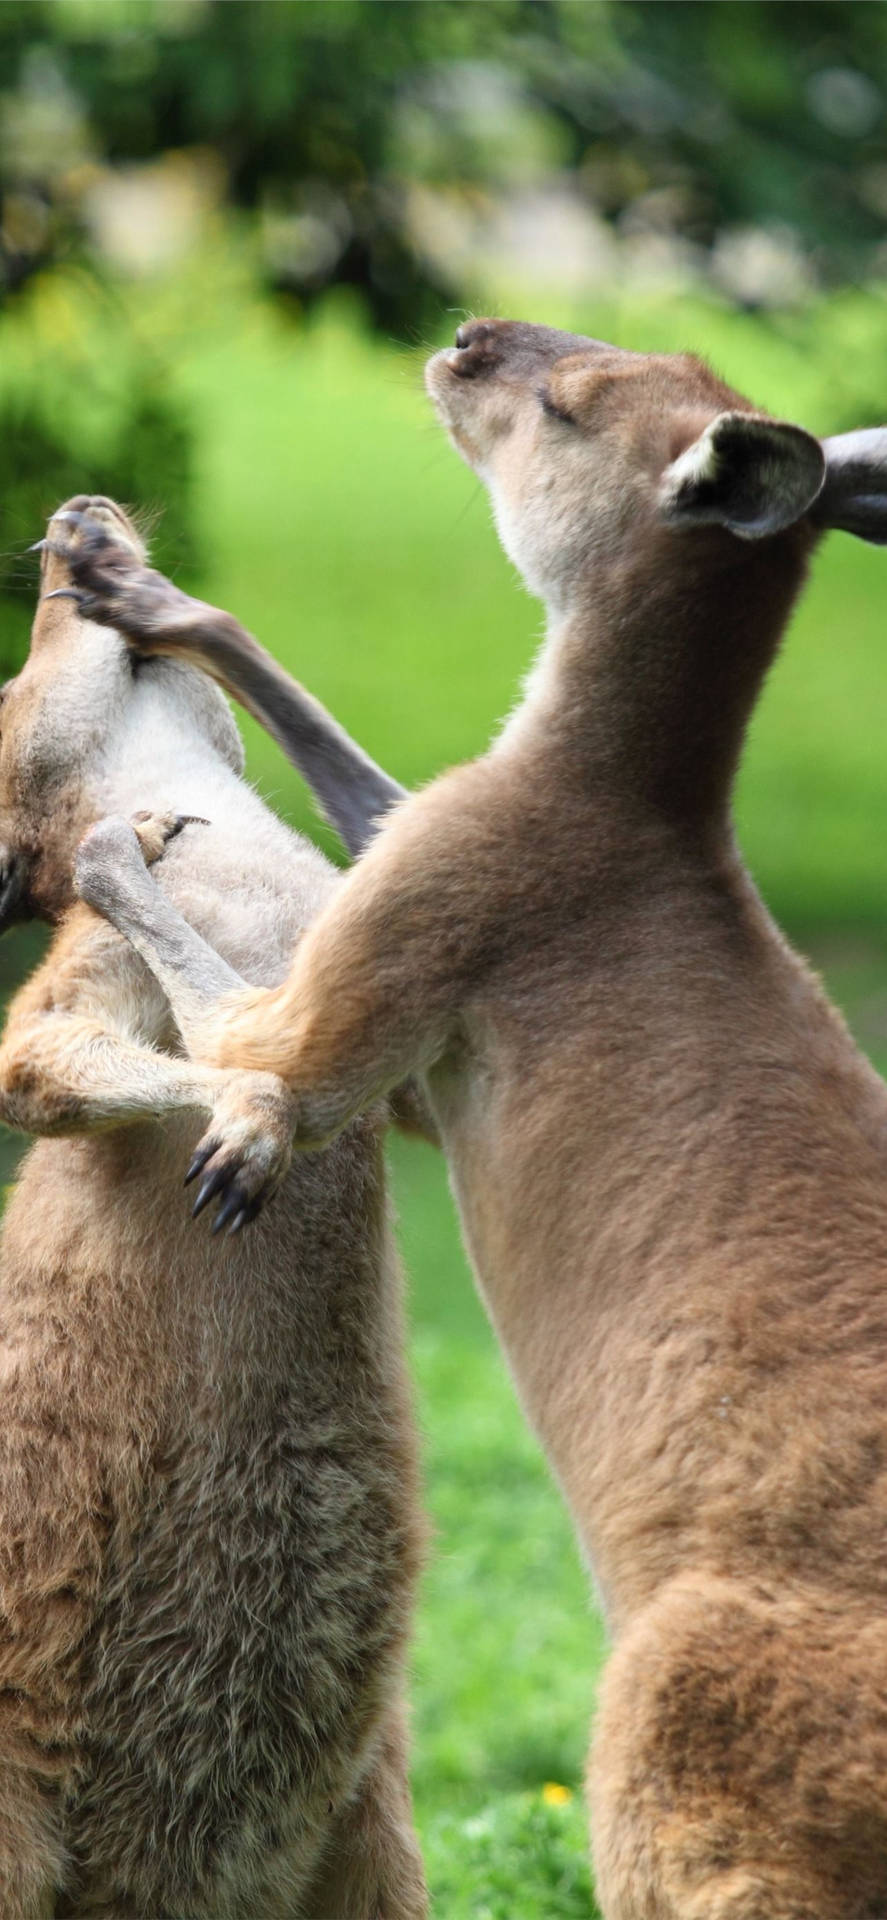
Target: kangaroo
column 209, row 1533
column 669, row 1158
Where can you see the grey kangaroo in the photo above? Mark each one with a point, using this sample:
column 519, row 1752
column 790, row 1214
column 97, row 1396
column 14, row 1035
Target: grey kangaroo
column 669, row 1158
column 209, row 1529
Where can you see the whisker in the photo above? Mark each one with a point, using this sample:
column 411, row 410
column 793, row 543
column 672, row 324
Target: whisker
column 468, row 505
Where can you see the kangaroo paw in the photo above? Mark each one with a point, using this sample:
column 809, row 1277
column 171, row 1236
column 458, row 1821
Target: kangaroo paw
column 245, row 1152
column 110, row 582
column 155, row 830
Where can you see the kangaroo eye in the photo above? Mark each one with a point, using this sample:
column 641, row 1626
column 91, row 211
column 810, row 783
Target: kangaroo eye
column 555, row 412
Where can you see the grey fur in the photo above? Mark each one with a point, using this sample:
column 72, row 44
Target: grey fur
column 854, row 497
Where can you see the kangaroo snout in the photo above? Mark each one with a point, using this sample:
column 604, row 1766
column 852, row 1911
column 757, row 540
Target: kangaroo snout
column 516, row 348
column 479, row 347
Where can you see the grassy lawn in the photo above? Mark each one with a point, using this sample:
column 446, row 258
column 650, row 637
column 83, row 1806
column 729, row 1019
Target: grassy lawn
column 507, row 1644
column 338, row 524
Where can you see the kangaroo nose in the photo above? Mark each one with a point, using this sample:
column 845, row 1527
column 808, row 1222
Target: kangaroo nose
column 478, row 347
column 472, row 331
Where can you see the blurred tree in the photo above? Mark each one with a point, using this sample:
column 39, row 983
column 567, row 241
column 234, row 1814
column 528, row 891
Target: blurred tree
column 139, row 449
column 733, row 126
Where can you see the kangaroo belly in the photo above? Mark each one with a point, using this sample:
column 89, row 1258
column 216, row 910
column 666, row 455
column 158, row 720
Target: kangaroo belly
column 206, row 1463
column 238, row 1662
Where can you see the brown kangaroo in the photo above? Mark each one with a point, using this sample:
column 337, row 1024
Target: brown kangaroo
column 208, row 1507
column 669, row 1158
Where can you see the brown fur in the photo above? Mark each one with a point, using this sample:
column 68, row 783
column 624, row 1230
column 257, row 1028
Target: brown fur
column 208, row 1509
column 668, row 1156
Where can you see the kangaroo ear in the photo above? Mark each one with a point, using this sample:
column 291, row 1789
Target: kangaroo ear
column 854, row 496
column 747, row 473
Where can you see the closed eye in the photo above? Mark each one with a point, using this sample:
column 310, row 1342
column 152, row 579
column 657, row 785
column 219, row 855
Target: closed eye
column 555, row 412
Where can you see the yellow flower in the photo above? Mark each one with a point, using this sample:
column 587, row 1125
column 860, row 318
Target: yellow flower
column 555, row 1795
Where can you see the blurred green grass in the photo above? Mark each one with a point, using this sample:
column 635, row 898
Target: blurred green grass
column 342, row 529
column 508, row 1642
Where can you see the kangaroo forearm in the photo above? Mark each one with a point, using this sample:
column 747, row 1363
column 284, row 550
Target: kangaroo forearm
column 111, row 876
column 115, row 588
column 352, row 791
column 62, row 1075
column 338, row 1046
column 370, row 998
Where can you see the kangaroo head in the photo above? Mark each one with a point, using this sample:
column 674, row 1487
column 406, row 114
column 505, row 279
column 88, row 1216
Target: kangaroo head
column 592, row 454
column 82, row 706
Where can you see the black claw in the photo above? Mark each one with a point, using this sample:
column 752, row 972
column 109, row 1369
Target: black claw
column 211, row 1186
column 243, row 1218
column 188, row 820
column 234, row 1204
column 199, row 1161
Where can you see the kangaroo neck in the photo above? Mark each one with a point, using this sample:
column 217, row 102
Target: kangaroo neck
column 176, row 771
column 643, row 688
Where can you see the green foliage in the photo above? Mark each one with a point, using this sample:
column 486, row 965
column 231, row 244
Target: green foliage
column 84, row 408
column 767, row 112
column 688, row 119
